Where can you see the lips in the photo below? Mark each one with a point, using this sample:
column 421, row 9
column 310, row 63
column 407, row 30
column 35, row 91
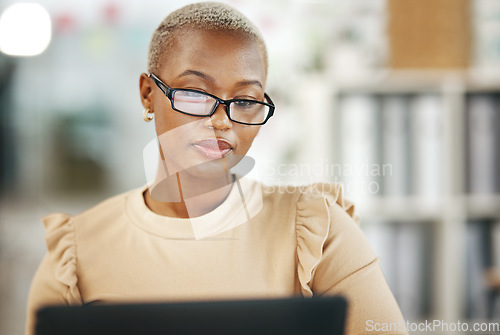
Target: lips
column 213, row 148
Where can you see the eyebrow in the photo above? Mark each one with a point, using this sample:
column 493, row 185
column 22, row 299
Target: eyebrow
column 212, row 79
column 196, row 73
column 249, row 82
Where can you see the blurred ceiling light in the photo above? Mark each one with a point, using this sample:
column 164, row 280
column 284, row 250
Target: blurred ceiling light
column 25, row 29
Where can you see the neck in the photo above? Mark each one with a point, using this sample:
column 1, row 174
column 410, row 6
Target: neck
column 184, row 196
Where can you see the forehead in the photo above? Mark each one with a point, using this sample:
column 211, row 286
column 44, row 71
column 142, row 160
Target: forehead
column 215, row 52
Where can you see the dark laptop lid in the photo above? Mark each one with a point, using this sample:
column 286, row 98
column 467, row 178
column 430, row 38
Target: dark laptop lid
column 291, row 316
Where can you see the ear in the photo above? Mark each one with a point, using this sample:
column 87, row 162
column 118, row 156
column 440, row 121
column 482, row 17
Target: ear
column 146, row 91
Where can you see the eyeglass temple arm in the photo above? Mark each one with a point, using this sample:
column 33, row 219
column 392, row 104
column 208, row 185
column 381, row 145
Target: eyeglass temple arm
column 164, row 88
column 268, row 99
column 271, row 111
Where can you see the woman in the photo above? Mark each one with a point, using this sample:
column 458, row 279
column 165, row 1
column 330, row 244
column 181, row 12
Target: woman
column 199, row 231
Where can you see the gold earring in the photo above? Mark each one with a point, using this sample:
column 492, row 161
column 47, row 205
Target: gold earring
column 147, row 115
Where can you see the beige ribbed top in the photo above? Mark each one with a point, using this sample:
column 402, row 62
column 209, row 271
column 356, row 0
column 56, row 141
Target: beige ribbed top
column 297, row 241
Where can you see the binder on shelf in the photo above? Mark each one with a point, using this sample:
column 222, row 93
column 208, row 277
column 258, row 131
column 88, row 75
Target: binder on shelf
column 478, row 259
column 483, row 143
column 495, row 243
column 359, row 148
column 413, row 269
column 494, row 272
column 427, row 143
column 382, row 237
column 395, row 144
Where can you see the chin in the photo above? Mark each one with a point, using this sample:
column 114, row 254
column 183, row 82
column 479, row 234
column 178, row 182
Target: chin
column 213, row 169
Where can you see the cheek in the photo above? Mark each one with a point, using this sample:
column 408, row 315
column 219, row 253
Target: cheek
column 167, row 119
column 164, row 124
column 246, row 136
column 162, row 110
column 175, row 138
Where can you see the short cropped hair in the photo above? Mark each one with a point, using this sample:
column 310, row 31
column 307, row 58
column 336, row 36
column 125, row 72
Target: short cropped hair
column 202, row 15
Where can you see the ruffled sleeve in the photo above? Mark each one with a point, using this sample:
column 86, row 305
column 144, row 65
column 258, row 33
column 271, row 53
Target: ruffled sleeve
column 313, row 227
column 56, row 281
column 61, row 246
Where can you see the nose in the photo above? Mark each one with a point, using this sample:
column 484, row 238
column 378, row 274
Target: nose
column 219, row 119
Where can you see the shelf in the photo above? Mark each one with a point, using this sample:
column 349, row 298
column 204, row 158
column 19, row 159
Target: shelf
column 387, row 81
column 480, row 206
column 402, row 208
column 412, row 208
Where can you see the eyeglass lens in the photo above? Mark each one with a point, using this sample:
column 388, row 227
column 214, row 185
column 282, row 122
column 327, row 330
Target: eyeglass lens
column 193, row 103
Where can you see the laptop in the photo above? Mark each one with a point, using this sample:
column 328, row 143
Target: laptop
column 290, row 316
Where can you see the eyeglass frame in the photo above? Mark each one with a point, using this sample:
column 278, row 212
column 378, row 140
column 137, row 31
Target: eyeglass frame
column 169, row 93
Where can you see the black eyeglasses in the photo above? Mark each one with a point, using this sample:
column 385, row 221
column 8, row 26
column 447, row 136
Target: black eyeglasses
column 197, row 103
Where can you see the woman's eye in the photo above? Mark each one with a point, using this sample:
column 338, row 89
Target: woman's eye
column 193, row 94
column 245, row 103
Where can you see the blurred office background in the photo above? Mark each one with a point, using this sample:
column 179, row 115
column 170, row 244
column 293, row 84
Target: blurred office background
column 397, row 99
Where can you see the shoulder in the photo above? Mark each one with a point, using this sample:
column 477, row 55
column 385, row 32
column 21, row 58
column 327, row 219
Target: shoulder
column 61, row 228
column 109, row 207
column 104, row 210
column 310, row 200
